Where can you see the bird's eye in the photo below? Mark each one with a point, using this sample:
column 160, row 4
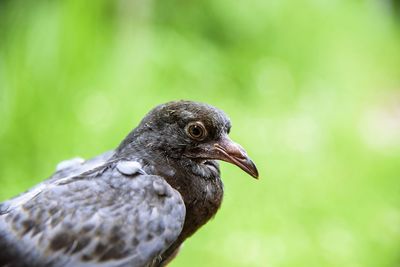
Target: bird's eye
column 196, row 130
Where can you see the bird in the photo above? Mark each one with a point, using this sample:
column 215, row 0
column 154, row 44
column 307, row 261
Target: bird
column 131, row 206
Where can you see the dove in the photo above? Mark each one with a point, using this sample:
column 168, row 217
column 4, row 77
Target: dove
column 131, row 206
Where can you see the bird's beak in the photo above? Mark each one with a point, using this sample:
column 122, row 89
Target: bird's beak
column 227, row 150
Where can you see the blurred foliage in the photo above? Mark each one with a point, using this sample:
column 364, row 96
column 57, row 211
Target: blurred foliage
column 312, row 88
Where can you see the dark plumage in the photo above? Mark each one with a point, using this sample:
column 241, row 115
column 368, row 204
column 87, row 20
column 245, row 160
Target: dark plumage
column 133, row 206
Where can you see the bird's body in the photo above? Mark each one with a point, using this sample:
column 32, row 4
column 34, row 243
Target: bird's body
column 133, row 206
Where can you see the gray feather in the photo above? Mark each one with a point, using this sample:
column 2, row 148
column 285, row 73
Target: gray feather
column 88, row 220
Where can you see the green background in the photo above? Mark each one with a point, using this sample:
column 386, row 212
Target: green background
column 312, row 88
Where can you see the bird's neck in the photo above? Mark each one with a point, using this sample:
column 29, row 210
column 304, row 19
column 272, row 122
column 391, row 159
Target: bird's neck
column 202, row 198
column 202, row 195
column 198, row 183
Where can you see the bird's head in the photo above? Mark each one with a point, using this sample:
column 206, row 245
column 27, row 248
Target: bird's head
column 194, row 133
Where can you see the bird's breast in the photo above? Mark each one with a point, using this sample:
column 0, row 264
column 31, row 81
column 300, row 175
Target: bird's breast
column 202, row 204
column 202, row 195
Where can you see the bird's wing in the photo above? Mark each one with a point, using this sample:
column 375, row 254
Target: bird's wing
column 103, row 218
column 76, row 166
column 65, row 170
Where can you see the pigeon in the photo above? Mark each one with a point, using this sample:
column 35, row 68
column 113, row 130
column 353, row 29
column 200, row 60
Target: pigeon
column 132, row 206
